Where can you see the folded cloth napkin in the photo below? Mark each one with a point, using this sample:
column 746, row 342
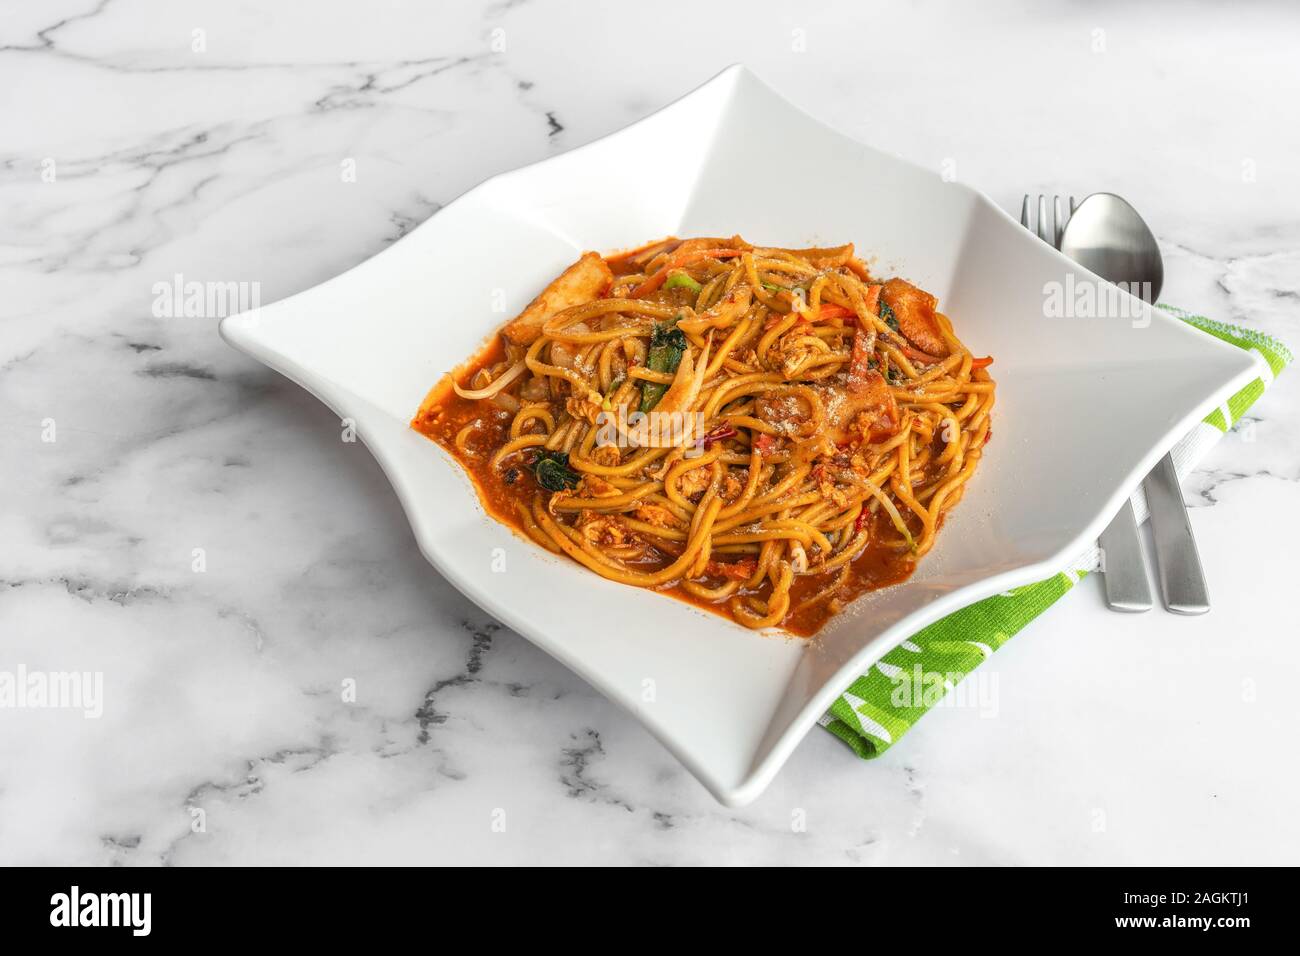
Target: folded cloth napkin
column 883, row 704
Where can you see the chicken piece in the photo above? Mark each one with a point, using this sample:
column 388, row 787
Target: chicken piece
column 657, row 515
column 827, row 486
column 585, row 408
column 876, row 424
column 593, row 486
column 583, row 281
column 791, row 353
column 868, row 413
column 607, row 455
column 739, row 570
column 914, row 310
column 733, row 485
column 694, row 482
column 608, row 531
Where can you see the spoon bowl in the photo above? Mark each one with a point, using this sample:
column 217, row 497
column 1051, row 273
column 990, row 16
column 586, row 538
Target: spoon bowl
column 1107, row 236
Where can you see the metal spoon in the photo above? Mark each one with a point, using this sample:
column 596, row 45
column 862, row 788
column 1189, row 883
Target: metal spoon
column 1107, row 236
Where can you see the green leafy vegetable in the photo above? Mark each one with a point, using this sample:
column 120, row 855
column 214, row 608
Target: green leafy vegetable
column 887, row 314
column 667, row 343
column 680, row 280
column 552, row 471
column 892, row 374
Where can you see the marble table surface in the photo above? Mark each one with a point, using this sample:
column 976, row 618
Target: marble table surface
column 183, row 521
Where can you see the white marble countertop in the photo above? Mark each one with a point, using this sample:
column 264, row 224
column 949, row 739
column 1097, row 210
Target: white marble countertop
column 136, row 148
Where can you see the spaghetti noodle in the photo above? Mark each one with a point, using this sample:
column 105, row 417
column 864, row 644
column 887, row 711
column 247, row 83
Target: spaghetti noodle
column 765, row 432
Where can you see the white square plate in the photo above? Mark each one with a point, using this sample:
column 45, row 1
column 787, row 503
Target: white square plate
column 1085, row 406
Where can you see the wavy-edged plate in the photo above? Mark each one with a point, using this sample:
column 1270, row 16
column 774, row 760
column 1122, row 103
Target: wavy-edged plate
column 1086, row 406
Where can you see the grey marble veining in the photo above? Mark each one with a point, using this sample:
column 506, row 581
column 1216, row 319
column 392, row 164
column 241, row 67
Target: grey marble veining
column 286, row 680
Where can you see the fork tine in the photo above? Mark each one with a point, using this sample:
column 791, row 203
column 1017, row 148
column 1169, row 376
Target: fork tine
column 1043, row 227
column 1073, row 205
column 1024, row 212
column 1058, row 222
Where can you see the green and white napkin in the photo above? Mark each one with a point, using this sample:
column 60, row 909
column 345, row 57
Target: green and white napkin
column 883, row 704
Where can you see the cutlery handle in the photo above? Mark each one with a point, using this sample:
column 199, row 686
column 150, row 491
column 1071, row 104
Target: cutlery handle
column 1124, row 569
column 1182, row 582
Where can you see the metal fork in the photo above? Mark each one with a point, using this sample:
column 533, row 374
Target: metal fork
column 1052, row 237
column 1123, row 565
